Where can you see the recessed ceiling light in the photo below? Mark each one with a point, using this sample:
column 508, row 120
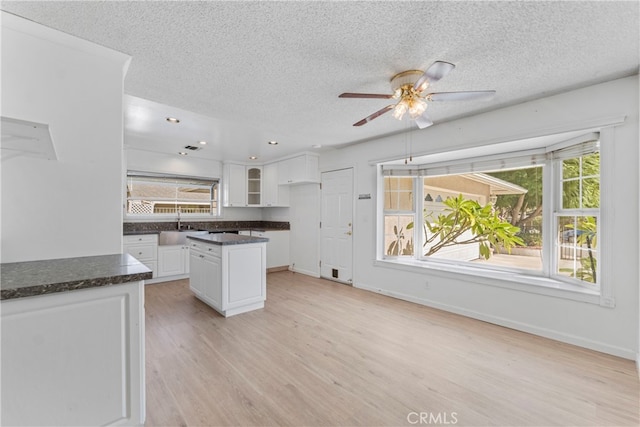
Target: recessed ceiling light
column 253, row 158
column 272, row 142
column 173, row 120
column 202, row 142
column 182, row 153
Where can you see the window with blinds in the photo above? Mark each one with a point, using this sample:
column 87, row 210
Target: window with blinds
column 155, row 194
column 534, row 212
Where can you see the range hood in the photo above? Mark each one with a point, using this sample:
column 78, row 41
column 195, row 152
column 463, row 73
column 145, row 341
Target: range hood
column 25, row 138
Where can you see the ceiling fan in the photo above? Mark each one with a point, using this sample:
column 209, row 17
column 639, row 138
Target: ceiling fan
column 409, row 87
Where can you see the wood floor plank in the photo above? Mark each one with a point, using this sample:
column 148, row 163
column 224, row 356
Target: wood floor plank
column 325, row 354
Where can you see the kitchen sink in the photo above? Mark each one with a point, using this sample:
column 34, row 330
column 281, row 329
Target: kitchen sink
column 178, row 237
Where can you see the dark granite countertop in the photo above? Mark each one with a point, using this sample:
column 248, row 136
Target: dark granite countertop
column 31, row 278
column 228, row 239
column 131, row 228
column 135, row 233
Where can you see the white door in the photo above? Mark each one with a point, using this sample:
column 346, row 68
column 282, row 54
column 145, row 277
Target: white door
column 336, row 256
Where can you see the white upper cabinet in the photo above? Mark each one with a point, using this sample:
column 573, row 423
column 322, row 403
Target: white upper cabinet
column 254, row 185
column 266, row 185
column 273, row 194
column 301, row 169
column 234, row 185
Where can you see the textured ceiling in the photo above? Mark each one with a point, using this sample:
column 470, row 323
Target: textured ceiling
column 241, row 73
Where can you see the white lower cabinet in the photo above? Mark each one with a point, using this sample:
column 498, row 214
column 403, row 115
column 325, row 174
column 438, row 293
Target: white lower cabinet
column 74, row 358
column 205, row 278
column 173, row 260
column 144, row 248
column 277, row 247
column 229, row 278
column 213, row 269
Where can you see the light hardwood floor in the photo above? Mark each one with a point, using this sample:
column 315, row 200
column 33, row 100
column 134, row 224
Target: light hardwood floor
column 325, row 354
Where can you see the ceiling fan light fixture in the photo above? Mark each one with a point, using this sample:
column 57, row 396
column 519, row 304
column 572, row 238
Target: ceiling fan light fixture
column 409, row 89
column 417, row 106
column 400, row 108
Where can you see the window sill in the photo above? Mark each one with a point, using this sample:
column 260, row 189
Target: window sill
column 508, row 280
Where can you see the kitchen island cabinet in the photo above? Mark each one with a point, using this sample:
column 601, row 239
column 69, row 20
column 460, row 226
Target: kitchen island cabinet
column 228, row 272
column 73, row 341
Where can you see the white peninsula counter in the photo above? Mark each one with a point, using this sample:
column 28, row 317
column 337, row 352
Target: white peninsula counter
column 229, row 272
column 73, row 341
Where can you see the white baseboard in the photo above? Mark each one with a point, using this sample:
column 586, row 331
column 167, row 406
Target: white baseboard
column 306, row 272
column 525, row 327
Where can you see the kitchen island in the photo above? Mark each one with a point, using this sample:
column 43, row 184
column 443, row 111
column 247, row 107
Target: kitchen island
column 228, row 271
column 73, row 341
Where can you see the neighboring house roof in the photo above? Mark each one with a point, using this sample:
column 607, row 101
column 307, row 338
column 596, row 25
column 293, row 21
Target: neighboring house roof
column 497, row 186
column 155, row 192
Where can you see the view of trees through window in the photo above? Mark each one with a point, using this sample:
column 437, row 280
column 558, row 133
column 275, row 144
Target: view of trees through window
column 496, row 217
column 489, row 217
column 577, row 219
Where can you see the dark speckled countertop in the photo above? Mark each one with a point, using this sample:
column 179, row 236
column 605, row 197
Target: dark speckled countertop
column 129, row 228
column 228, row 239
column 31, row 278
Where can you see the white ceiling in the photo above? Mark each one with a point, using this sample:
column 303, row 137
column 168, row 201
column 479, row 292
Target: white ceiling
column 238, row 74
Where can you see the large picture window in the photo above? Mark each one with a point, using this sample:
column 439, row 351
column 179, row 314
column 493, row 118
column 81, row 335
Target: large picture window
column 535, row 213
column 158, row 195
column 510, row 199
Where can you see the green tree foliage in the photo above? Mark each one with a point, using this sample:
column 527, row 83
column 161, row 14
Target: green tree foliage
column 589, row 239
column 401, row 245
column 462, row 215
column 521, row 209
column 581, row 182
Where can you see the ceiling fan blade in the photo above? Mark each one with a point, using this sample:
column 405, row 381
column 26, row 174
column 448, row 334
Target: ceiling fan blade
column 461, row 96
column 423, row 121
column 364, row 95
column 374, row 115
column 435, row 72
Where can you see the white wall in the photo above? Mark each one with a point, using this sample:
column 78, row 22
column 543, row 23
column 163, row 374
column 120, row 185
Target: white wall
column 275, row 214
column 148, row 161
column 611, row 330
column 70, row 206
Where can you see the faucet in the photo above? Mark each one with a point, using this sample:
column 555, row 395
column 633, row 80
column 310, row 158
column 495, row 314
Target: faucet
column 179, row 225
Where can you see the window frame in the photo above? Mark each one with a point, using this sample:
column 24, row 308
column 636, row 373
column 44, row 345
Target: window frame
column 215, row 211
column 557, row 180
column 543, row 281
column 399, row 212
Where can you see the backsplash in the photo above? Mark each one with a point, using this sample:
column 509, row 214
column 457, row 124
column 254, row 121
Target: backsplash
column 145, row 227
